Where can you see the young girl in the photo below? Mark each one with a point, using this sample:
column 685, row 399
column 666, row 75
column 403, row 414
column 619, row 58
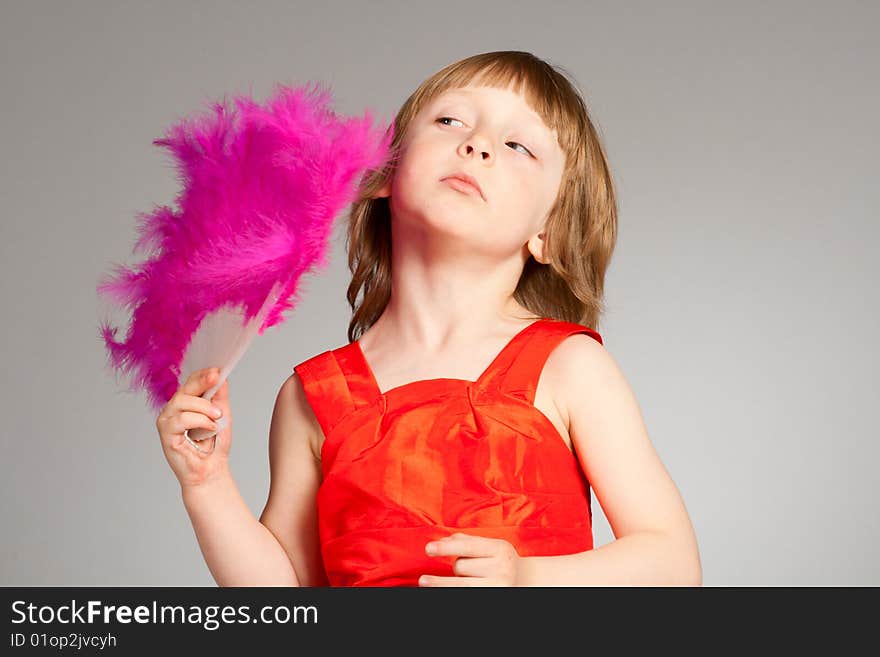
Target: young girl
column 453, row 441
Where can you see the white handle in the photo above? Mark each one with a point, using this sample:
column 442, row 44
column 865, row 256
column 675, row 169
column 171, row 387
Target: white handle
column 244, row 340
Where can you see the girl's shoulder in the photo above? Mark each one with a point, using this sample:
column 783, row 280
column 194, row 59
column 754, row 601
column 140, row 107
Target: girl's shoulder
column 293, row 418
column 579, row 348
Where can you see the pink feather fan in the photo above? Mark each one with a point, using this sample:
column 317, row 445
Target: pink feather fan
column 261, row 189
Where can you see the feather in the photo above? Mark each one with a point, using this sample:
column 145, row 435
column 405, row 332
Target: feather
column 261, row 187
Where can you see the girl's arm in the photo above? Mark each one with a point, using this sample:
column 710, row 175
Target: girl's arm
column 656, row 543
column 280, row 549
column 291, row 512
column 239, row 550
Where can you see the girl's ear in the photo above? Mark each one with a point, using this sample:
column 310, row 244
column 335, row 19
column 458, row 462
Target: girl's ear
column 384, row 191
column 536, row 247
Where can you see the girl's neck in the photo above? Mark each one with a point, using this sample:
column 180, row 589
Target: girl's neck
column 436, row 334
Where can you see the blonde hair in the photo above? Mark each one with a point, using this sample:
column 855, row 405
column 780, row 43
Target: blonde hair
column 581, row 229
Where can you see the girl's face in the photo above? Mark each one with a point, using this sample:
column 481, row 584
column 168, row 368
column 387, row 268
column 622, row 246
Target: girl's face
column 494, row 136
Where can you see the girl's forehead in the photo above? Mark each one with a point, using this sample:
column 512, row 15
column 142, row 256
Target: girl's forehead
column 470, row 92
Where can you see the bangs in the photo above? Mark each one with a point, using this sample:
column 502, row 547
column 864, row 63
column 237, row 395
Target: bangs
column 521, row 73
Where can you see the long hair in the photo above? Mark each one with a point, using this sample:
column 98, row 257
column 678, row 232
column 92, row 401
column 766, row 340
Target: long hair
column 581, row 229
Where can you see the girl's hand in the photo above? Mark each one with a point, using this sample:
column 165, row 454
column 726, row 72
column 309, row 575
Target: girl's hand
column 188, row 410
column 481, row 561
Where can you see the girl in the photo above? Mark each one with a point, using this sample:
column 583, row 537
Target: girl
column 453, row 441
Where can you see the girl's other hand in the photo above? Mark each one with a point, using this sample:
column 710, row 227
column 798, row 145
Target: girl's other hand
column 479, row 561
column 188, row 410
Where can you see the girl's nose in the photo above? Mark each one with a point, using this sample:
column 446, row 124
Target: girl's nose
column 483, row 154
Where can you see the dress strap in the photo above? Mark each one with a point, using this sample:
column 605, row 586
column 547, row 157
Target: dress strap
column 334, row 384
column 520, row 371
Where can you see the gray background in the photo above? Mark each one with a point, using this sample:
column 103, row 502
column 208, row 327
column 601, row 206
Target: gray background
column 742, row 301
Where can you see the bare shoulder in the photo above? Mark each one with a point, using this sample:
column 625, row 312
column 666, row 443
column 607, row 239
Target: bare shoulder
column 578, row 361
column 294, row 411
column 594, row 397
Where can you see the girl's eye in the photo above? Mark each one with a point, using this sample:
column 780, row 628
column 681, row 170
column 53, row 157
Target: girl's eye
column 444, row 118
column 524, row 148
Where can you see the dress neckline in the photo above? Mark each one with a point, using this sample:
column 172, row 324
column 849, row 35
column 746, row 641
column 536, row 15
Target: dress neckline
column 368, row 371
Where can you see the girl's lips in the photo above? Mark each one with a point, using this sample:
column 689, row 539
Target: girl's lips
column 462, row 186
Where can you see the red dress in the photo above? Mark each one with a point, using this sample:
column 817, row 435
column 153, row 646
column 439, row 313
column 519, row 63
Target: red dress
column 433, row 457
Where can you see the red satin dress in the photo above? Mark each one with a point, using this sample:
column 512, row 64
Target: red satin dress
column 433, row 457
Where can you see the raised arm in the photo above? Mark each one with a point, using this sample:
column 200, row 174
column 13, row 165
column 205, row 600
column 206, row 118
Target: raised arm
column 281, row 548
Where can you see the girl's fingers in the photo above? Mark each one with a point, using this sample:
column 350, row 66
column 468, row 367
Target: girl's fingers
column 474, row 566
column 188, row 420
column 436, row 580
column 188, row 409
column 190, row 404
column 211, row 408
column 200, row 380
